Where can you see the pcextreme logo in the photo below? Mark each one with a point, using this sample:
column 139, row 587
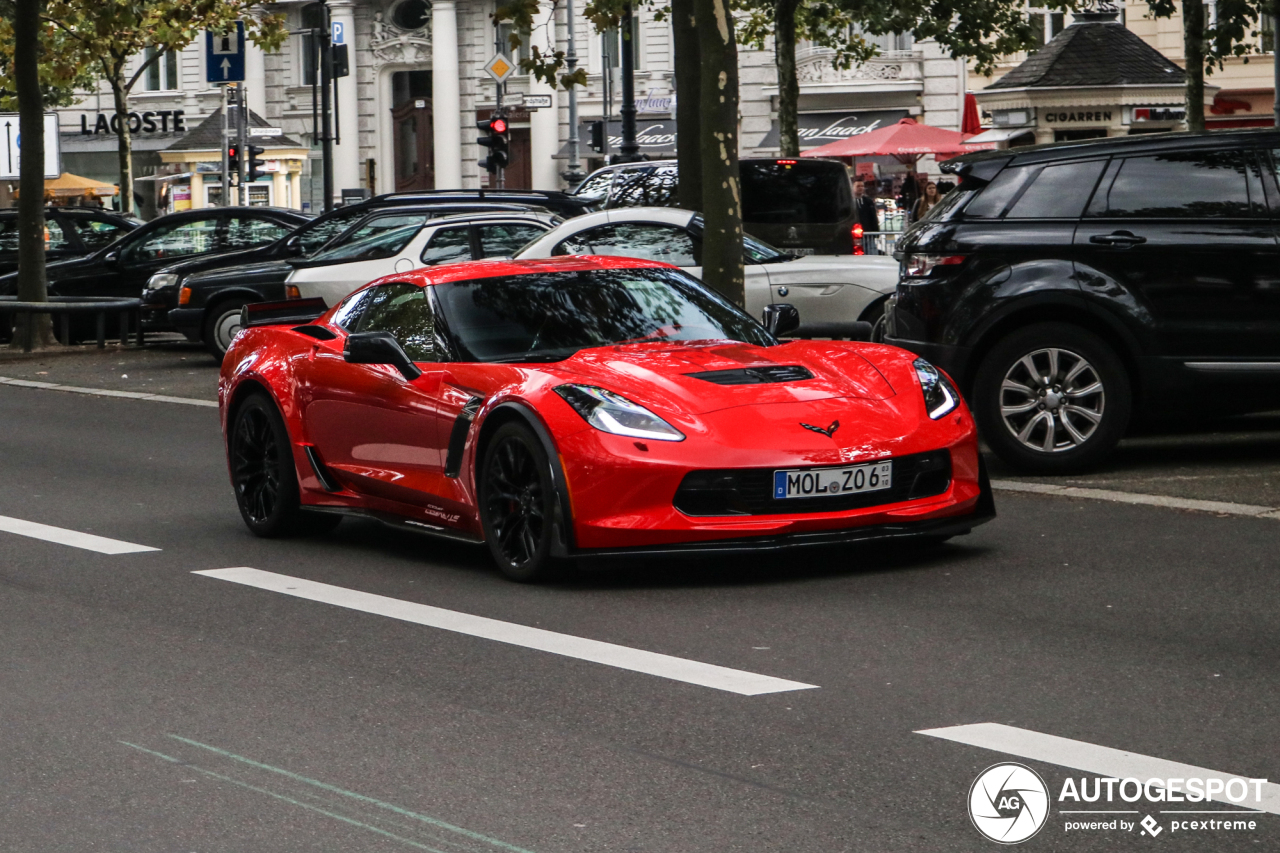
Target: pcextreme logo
column 1008, row 803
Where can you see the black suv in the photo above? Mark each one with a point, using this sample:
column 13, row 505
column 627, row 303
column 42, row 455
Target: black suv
column 1068, row 287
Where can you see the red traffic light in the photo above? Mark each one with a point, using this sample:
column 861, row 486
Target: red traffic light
column 231, row 151
column 498, row 125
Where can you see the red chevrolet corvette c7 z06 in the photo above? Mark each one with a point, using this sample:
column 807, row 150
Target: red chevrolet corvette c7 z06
column 584, row 406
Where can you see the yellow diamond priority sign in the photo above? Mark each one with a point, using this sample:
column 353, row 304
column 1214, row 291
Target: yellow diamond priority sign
column 499, row 68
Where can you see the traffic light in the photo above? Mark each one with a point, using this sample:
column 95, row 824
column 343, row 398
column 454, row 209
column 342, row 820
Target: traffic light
column 597, row 136
column 498, row 140
column 255, row 164
column 233, row 159
column 341, row 61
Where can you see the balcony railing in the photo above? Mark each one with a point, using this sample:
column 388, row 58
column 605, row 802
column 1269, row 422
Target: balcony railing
column 814, row 65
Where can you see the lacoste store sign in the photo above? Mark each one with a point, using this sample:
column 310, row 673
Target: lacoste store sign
column 151, row 121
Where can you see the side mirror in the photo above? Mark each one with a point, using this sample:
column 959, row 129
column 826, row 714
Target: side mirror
column 781, row 318
column 111, row 259
column 293, row 245
column 379, row 348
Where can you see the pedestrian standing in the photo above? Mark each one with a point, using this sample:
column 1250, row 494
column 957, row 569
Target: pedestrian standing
column 930, row 198
column 865, row 214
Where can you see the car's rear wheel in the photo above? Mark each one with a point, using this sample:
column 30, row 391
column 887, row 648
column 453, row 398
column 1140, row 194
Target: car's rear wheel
column 517, row 503
column 263, row 474
column 221, row 323
column 1052, row 399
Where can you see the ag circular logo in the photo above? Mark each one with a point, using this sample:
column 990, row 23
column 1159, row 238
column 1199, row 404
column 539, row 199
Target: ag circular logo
column 1008, row 803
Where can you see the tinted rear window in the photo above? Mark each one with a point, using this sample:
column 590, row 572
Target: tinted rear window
column 1059, row 191
column 798, row 193
column 1183, row 185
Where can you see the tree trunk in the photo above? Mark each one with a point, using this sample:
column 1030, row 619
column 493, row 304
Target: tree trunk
column 784, row 51
column 721, row 196
column 688, row 73
column 32, row 332
column 1193, row 48
column 124, row 143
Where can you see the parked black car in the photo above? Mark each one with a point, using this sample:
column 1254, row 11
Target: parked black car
column 72, row 232
column 803, row 207
column 1068, row 287
column 123, row 267
column 202, row 297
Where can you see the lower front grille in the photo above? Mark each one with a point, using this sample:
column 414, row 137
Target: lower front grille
column 749, row 491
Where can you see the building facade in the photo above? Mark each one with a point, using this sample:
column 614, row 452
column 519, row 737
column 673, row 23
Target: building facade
column 406, row 115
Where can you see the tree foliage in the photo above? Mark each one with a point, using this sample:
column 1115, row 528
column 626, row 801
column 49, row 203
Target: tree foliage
column 61, row 68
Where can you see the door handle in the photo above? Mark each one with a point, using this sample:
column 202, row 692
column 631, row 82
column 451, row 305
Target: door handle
column 1120, row 239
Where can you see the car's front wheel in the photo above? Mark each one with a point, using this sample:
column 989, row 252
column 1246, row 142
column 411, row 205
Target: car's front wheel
column 263, row 474
column 221, row 325
column 1052, row 398
column 517, row 503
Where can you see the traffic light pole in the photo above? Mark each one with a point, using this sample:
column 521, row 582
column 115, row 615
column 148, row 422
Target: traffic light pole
column 242, row 132
column 628, row 149
column 326, row 113
column 500, row 177
column 226, row 168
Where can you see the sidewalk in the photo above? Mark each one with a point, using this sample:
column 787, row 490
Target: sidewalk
column 171, row 367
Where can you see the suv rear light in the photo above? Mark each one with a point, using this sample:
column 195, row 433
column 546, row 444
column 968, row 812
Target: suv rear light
column 787, row 162
column 857, row 240
column 920, row 266
column 184, row 295
column 291, row 292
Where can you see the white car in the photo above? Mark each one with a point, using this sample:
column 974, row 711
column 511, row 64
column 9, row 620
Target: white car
column 823, row 288
column 399, row 242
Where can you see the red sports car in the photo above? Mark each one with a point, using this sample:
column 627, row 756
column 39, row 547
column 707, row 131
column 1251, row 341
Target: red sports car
column 587, row 406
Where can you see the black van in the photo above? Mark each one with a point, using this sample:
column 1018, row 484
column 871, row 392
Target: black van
column 802, row 206
column 1068, row 287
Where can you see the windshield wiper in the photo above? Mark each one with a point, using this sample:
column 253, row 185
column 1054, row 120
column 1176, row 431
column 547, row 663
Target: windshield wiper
column 533, row 357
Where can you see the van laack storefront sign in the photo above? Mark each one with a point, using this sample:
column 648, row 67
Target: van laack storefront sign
column 820, row 128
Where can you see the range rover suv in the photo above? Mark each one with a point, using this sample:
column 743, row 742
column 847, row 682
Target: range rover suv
column 1071, row 288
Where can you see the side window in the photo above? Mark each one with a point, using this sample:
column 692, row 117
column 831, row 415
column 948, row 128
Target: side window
column 352, row 309
column 498, row 241
column 650, row 242
column 1181, row 185
column 178, row 240
column 996, row 196
column 448, row 246
column 245, row 233
column 405, row 311
column 54, row 237
column 1058, row 192
column 9, row 235
column 95, row 233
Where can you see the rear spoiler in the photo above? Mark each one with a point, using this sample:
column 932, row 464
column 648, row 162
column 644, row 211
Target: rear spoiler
column 287, row 312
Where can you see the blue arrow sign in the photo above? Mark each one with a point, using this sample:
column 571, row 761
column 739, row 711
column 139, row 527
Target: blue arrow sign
column 224, row 55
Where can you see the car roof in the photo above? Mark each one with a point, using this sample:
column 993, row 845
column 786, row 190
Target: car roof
column 1143, row 142
column 529, row 216
column 480, row 194
column 446, row 273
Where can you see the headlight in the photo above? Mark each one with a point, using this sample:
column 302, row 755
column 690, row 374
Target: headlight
column 615, row 414
column 162, row 279
column 940, row 396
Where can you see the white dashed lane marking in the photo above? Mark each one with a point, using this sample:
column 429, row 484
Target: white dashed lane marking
column 74, row 538
column 105, row 392
column 1102, row 760
column 1220, row 507
column 595, row 651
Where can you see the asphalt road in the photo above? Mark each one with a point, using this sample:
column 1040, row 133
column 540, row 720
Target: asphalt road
column 147, row 708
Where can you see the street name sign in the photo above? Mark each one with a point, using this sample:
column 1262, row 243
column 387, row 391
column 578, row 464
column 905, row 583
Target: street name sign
column 266, row 131
column 537, row 102
column 11, row 159
column 224, row 55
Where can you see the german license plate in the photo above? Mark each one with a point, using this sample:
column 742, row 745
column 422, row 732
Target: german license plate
column 825, row 482
column 799, row 250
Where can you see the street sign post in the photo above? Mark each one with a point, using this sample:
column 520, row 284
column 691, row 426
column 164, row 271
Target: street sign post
column 224, row 55
column 11, row 157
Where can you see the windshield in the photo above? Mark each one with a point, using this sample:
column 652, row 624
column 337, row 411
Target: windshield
column 384, row 244
column 550, row 316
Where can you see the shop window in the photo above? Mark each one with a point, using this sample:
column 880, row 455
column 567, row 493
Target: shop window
column 162, row 74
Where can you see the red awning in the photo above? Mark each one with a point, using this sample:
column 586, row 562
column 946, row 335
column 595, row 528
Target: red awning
column 905, row 141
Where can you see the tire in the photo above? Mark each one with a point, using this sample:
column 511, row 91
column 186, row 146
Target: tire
column 875, row 316
column 1052, row 399
column 263, row 475
column 517, row 504
column 221, row 322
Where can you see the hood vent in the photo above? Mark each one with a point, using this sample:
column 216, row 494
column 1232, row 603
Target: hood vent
column 763, row 375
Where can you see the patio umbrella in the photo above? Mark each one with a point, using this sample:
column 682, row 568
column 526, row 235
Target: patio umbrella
column 971, row 123
column 906, row 141
column 68, row 185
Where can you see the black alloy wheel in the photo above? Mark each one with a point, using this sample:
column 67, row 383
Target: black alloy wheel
column 264, row 477
column 517, row 503
column 1052, row 398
